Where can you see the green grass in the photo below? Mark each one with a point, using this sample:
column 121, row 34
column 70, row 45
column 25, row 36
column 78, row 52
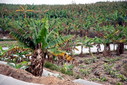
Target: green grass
column 112, row 60
column 85, row 72
column 90, row 60
column 65, row 69
column 114, row 73
column 101, row 79
column 51, row 66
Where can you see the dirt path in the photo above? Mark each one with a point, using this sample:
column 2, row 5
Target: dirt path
column 4, row 43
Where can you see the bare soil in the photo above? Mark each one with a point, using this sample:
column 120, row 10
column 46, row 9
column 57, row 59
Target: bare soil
column 105, row 70
column 28, row 77
column 8, row 43
column 88, row 68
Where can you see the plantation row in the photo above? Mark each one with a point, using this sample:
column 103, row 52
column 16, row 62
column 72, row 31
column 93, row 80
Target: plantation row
column 91, row 24
column 60, row 28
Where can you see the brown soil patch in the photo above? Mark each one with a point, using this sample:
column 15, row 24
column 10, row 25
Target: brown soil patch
column 5, row 43
column 28, row 77
column 93, row 68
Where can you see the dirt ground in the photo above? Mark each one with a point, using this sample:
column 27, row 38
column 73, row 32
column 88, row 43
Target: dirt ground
column 7, row 43
column 105, row 70
column 25, row 76
column 89, row 68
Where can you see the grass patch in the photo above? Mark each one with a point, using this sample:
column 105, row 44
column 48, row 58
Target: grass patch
column 101, row 79
column 90, row 60
column 112, row 60
column 65, row 69
column 85, row 72
column 68, row 72
column 51, row 66
column 114, row 73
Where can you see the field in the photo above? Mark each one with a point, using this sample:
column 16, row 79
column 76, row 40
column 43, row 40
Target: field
column 46, row 35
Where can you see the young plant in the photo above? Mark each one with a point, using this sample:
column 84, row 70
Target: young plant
column 67, row 69
column 85, row 72
column 22, row 65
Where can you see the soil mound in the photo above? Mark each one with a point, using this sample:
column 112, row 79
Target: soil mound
column 28, row 77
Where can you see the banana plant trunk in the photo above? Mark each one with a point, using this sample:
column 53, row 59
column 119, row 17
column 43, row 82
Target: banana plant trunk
column 90, row 50
column 98, row 48
column 37, row 61
column 106, row 51
column 81, row 54
column 120, row 48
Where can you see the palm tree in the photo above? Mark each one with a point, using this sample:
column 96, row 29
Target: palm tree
column 36, row 35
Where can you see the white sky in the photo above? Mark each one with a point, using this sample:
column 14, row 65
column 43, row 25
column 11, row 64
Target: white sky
column 52, row 1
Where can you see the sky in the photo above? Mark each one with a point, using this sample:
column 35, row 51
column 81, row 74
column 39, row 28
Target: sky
column 52, row 2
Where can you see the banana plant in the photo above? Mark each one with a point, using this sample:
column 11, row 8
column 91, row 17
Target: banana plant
column 98, row 41
column 24, row 10
column 86, row 42
column 120, row 38
column 36, row 35
column 89, row 43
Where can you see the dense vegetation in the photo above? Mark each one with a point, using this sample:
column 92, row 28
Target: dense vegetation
column 65, row 26
column 105, row 22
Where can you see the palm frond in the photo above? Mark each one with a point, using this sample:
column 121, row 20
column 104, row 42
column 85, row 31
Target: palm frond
column 43, row 32
column 59, row 41
column 26, row 41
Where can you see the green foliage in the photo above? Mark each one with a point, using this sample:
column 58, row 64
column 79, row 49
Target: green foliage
column 102, row 79
column 114, row 73
column 108, row 23
column 22, row 65
column 16, row 55
column 88, row 41
column 119, row 83
column 90, row 61
column 51, row 66
column 1, row 51
column 111, row 60
column 67, row 69
column 4, row 24
column 82, row 66
column 32, row 32
column 85, row 72
column 42, row 34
